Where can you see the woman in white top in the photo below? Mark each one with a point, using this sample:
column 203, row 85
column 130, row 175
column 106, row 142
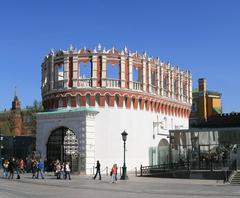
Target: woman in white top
column 67, row 171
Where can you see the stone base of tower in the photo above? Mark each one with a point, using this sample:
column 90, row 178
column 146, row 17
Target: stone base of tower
column 81, row 123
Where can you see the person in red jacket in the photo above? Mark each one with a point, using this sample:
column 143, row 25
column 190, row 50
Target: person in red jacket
column 114, row 173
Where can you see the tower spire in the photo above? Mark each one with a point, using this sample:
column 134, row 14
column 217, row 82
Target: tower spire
column 15, row 102
column 15, row 91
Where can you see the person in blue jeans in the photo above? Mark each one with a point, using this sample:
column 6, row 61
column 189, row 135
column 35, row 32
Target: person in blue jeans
column 40, row 169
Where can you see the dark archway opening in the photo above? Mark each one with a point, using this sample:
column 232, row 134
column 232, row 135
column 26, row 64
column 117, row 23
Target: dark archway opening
column 62, row 145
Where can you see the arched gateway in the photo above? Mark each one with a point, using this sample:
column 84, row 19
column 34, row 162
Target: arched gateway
column 63, row 145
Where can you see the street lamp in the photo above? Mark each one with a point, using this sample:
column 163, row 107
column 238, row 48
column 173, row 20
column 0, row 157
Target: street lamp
column 1, row 147
column 124, row 168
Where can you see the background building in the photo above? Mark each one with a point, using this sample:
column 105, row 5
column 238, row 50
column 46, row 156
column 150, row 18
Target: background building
column 17, row 121
column 205, row 104
column 18, row 130
column 212, row 142
column 90, row 97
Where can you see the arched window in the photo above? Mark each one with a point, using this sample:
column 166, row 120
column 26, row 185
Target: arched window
column 184, row 89
column 97, row 99
column 45, row 77
column 117, row 100
column 175, row 89
column 165, row 85
column 175, row 86
column 69, row 102
column 126, row 101
column 140, row 103
column 153, row 78
column 112, row 71
column 59, row 69
column 59, row 73
column 137, row 74
column 78, row 101
column 133, row 101
column 85, row 70
column 60, row 103
column 88, row 100
column 146, row 104
column 107, row 99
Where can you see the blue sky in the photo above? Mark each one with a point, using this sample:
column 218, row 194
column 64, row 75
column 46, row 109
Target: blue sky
column 202, row 36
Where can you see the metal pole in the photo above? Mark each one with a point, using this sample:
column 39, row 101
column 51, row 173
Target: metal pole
column 0, row 146
column 124, row 150
column 124, row 168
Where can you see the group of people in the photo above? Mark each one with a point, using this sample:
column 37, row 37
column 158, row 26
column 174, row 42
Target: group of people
column 12, row 166
column 62, row 170
column 37, row 168
column 113, row 173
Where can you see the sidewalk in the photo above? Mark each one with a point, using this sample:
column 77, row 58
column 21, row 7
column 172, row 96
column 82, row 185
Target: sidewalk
column 135, row 187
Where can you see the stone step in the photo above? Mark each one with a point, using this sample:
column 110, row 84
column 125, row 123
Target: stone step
column 236, row 179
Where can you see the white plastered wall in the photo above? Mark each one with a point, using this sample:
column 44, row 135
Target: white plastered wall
column 110, row 123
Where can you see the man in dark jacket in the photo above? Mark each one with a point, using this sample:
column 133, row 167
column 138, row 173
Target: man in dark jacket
column 98, row 171
column 11, row 168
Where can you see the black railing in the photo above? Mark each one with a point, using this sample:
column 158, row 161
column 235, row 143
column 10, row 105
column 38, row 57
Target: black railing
column 187, row 166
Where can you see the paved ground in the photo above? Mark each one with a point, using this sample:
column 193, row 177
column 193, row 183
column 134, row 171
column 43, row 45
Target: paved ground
column 135, row 187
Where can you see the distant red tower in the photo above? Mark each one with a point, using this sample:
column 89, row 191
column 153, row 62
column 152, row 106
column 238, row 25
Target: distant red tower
column 16, row 117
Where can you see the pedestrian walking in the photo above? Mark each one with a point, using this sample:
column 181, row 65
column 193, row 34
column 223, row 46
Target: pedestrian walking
column 113, row 173
column 40, row 169
column 67, row 171
column 11, row 168
column 58, row 170
column 5, row 168
column 17, row 168
column 34, row 168
column 22, row 166
column 98, row 170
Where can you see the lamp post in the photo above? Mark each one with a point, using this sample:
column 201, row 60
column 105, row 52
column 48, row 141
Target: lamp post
column 1, row 147
column 124, row 168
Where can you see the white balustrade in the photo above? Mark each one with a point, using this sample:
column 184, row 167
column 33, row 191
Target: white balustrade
column 114, row 83
column 84, row 82
column 137, row 85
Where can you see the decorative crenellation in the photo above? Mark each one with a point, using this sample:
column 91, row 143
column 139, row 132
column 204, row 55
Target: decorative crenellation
column 75, row 70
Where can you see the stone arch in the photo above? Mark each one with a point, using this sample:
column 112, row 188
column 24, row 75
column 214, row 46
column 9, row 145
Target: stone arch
column 163, row 151
column 117, row 100
column 140, row 100
column 146, row 104
column 62, row 145
column 78, row 100
column 134, row 102
column 97, row 99
column 88, row 98
column 107, row 99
